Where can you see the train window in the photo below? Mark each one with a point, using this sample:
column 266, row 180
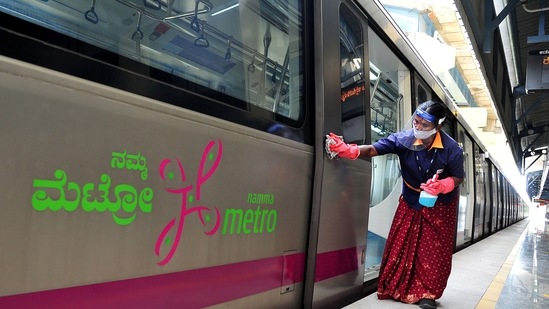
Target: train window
column 385, row 108
column 353, row 86
column 384, row 88
column 421, row 94
column 248, row 50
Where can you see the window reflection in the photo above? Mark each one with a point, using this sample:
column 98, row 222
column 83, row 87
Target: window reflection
column 249, row 49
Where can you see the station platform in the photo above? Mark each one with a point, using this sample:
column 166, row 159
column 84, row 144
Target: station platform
column 509, row 269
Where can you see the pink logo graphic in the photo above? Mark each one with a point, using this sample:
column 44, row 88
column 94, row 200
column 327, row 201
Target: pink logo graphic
column 187, row 198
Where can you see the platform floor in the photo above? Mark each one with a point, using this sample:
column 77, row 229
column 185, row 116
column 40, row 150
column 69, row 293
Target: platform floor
column 509, row 269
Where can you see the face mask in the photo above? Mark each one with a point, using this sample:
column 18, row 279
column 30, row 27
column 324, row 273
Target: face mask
column 424, row 134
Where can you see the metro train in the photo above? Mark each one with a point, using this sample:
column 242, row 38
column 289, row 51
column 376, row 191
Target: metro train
column 170, row 153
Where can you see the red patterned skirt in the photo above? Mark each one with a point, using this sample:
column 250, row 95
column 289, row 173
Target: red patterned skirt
column 417, row 259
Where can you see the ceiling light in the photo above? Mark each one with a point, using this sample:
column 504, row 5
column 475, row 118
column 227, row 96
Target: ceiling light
column 225, row 9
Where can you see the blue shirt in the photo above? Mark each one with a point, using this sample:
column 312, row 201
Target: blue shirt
column 417, row 167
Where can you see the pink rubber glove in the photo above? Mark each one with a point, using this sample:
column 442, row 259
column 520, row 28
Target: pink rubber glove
column 349, row 151
column 435, row 187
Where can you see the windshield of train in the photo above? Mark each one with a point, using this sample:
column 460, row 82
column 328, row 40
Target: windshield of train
column 249, row 50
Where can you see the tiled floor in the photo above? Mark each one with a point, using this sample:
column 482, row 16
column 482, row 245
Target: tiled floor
column 527, row 285
column 509, row 269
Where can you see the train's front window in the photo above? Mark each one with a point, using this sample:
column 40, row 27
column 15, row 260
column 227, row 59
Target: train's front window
column 249, row 50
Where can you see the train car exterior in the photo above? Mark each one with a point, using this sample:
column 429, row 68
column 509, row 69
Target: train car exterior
column 168, row 154
column 480, row 212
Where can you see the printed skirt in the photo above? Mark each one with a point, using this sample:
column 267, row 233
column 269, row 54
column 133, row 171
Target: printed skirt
column 417, row 259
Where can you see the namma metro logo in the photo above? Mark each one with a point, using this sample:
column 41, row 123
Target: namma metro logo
column 123, row 200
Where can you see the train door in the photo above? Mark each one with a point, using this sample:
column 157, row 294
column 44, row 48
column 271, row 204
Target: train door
column 466, row 199
column 339, row 218
column 488, row 221
column 390, row 102
column 480, row 190
column 488, row 197
column 506, row 203
column 502, row 201
column 494, row 183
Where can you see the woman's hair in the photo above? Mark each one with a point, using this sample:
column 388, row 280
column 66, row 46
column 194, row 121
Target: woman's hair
column 434, row 108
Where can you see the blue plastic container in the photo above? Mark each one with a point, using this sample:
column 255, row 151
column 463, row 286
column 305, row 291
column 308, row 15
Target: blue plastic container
column 427, row 199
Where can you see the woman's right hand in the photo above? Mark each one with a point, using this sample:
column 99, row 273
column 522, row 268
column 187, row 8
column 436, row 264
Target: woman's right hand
column 343, row 150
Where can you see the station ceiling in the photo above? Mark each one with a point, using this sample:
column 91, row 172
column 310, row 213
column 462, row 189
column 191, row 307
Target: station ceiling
column 520, row 26
column 528, row 130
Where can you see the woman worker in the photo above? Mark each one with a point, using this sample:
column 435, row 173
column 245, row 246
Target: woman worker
column 417, row 259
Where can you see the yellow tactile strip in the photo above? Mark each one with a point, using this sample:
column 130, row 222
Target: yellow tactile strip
column 491, row 296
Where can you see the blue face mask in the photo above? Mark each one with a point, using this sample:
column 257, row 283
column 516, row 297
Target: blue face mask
column 424, row 134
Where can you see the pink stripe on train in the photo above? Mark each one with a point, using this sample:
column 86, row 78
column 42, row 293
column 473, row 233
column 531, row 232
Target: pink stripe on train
column 194, row 288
